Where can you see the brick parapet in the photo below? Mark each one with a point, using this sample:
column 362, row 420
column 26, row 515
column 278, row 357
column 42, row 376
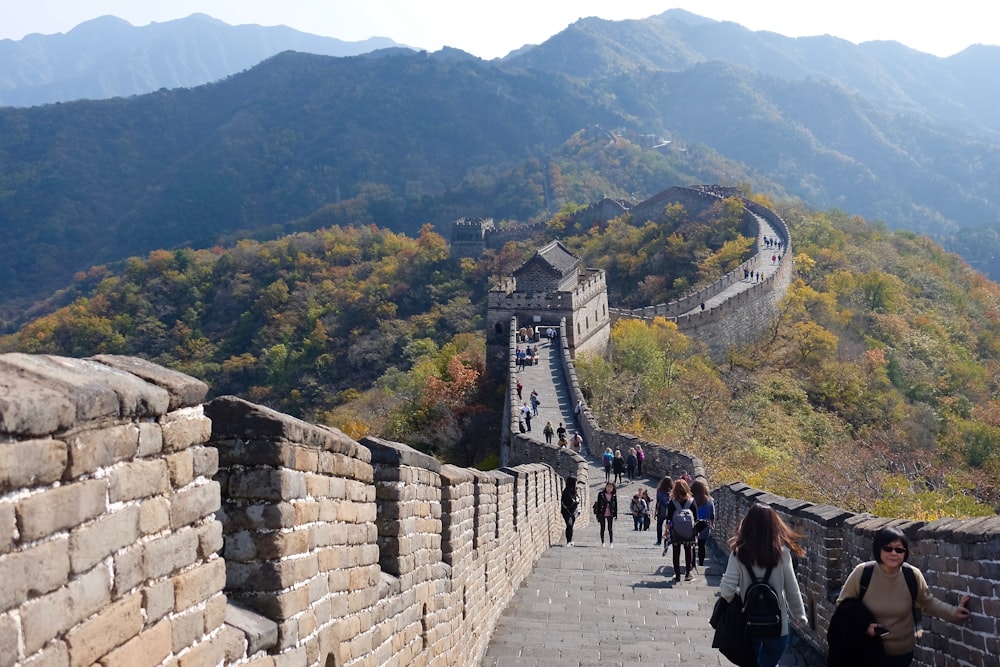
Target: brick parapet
column 108, row 536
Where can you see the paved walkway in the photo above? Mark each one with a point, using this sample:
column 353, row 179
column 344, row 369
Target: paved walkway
column 592, row 606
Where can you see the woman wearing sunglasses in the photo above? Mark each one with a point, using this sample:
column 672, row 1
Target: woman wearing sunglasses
column 885, row 592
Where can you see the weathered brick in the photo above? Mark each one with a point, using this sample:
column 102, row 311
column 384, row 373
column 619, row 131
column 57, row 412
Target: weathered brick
column 215, row 612
column 185, row 428
column 42, row 514
column 9, row 651
column 209, row 652
column 150, row 439
column 188, row 627
column 165, row 555
column 194, row 586
column 55, row 654
column 31, row 463
column 191, row 504
column 148, row 649
column 49, row 616
column 154, row 515
column 99, row 448
column 209, row 539
column 181, row 466
column 138, row 479
column 8, row 526
column 206, row 461
column 158, row 600
column 92, row 542
column 128, row 569
column 106, row 631
column 267, row 484
column 35, row 571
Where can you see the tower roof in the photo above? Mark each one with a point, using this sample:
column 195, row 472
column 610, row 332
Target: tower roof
column 554, row 258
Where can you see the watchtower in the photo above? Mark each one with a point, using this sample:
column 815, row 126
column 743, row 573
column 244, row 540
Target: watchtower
column 550, row 286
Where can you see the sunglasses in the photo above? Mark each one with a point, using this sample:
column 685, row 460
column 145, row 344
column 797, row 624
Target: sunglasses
column 899, row 550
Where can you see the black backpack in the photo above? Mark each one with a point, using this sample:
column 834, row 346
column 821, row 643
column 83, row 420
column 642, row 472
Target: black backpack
column 911, row 583
column 762, row 608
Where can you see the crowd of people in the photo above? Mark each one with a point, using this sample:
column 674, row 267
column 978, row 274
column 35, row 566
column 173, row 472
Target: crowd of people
column 877, row 606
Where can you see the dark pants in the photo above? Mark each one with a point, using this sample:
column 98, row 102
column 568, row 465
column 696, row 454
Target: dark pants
column 701, row 552
column 688, row 557
column 609, row 521
column 660, row 520
column 768, row 651
column 570, row 520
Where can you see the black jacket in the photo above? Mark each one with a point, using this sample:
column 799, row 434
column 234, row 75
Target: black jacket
column 848, row 640
column 601, row 503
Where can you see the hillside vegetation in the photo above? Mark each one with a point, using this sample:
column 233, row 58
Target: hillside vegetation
column 878, row 378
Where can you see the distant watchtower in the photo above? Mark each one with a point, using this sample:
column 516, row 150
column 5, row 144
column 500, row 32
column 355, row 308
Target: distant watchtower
column 553, row 284
column 468, row 236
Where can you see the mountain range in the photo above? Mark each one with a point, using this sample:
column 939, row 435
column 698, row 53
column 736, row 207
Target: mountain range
column 109, row 57
column 401, row 138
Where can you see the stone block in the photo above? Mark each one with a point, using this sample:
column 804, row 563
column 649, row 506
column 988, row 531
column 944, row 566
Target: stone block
column 215, row 612
column 185, row 428
column 187, row 627
column 106, row 631
column 165, row 555
column 138, row 479
column 181, row 466
column 206, row 461
column 9, row 631
column 150, row 439
column 31, row 463
column 33, row 571
column 43, row 514
column 194, row 586
column 94, row 449
column 47, row 617
column 209, row 539
column 91, row 543
column 30, row 408
column 128, row 569
column 190, row 505
column 208, row 652
column 148, row 649
column 158, row 600
column 154, row 515
column 267, row 484
column 8, row 527
column 261, row 633
column 183, row 390
column 55, row 654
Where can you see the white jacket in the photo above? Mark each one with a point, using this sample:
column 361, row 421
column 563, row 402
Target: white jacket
column 782, row 580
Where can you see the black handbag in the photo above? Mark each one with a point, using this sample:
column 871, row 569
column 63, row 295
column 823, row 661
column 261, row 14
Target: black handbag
column 731, row 636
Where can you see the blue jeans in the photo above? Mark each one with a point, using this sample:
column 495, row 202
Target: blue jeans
column 768, row 651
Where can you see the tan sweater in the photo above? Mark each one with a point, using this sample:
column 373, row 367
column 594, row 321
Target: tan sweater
column 888, row 599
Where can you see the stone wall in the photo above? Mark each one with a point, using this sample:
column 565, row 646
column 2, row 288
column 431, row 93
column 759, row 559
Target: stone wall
column 139, row 527
column 109, row 543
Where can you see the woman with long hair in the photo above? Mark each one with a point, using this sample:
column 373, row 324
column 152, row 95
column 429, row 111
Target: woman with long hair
column 663, row 490
column 706, row 512
column 680, row 499
column 570, row 507
column 762, row 549
column 606, row 509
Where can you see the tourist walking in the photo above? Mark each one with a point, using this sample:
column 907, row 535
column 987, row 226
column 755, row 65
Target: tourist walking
column 762, row 549
column 637, row 508
column 618, row 466
column 630, row 463
column 608, row 459
column 570, row 507
column 648, row 506
column 606, row 510
column 663, row 490
column 889, row 589
column 680, row 536
column 706, row 512
column 640, row 457
column 548, row 432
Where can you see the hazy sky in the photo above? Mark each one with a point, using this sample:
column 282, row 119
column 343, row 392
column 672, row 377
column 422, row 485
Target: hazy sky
column 491, row 29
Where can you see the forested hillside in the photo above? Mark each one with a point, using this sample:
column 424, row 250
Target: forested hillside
column 402, row 139
column 880, row 375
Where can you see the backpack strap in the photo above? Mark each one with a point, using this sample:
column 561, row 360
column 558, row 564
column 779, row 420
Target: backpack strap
column 911, row 580
column 866, row 578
